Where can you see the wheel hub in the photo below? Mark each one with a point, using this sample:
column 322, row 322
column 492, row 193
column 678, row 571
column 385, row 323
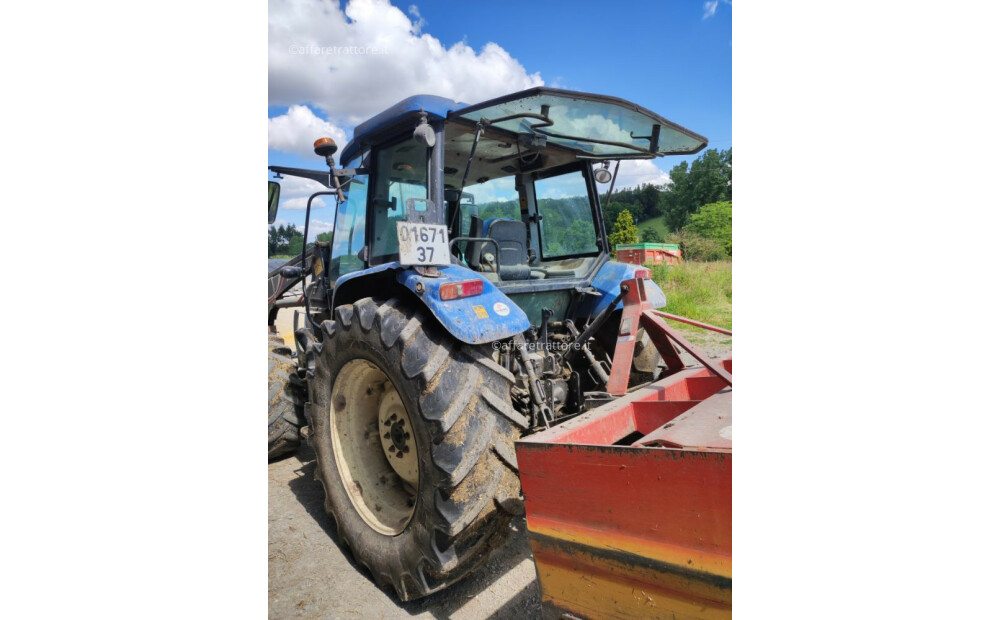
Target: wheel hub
column 374, row 446
column 399, row 436
column 397, row 441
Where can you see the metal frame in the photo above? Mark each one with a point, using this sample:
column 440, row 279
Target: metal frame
column 544, row 90
column 637, row 312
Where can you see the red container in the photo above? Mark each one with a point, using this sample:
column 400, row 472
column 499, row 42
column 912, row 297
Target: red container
column 648, row 253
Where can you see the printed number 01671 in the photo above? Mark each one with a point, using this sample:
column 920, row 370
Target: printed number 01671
column 422, row 244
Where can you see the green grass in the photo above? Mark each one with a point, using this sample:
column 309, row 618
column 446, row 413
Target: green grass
column 656, row 224
column 699, row 291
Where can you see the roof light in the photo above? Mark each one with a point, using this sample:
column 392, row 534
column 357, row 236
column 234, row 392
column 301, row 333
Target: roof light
column 457, row 290
column 324, row 147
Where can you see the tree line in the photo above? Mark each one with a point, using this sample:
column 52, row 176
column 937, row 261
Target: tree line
column 283, row 240
column 696, row 208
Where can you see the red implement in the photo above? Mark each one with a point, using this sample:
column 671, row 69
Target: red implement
column 629, row 506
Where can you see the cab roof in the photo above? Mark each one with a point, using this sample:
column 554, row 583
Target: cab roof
column 387, row 122
column 592, row 126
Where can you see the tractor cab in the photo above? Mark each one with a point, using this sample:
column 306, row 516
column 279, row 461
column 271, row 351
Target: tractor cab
column 513, row 180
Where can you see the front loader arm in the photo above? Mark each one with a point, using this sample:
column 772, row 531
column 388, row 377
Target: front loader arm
column 278, row 284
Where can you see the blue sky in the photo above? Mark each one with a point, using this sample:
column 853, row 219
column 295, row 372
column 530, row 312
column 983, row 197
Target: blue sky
column 661, row 55
column 332, row 65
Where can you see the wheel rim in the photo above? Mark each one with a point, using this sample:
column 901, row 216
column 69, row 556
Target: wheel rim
column 374, row 446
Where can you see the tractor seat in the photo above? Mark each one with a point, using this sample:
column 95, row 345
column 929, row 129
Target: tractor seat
column 512, row 237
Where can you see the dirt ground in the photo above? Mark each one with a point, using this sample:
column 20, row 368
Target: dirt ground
column 310, row 576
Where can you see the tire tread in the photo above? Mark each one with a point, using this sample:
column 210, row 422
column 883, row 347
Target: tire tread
column 464, row 402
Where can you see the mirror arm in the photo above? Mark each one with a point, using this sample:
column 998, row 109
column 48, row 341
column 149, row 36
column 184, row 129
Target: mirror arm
column 327, row 178
column 611, row 189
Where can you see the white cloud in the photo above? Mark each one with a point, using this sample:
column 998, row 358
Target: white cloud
column 317, row 227
column 710, row 8
column 497, row 190
column 420, row 23
column 636, row 172
column 296, row 130
column 298, row 186
column 356, row 63
column 300, row 203
column 555, row 193
column 295, row 192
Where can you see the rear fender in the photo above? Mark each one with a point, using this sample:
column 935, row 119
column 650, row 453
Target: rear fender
column 484, row 318
column 608, row 283
column 356, row 285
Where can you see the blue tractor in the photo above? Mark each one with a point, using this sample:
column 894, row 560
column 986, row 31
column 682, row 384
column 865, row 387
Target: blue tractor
column 467, row 298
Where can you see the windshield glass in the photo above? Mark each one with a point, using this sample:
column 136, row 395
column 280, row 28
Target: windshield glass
column 595, row 125
column 567, row 222
column 496, row 198
column 348, row 236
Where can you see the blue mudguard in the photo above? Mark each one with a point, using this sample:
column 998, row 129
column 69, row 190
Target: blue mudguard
column 480, row 319
column 608, row 284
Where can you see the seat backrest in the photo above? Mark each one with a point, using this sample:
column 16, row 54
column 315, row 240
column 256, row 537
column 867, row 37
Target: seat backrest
column 512, row 237
column 474, row 251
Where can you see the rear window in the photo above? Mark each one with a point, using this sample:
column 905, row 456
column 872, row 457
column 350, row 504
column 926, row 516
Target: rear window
column 496, row 198
column 401, row 173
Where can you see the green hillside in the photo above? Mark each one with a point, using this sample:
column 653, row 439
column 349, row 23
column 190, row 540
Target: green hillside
column 655, row 223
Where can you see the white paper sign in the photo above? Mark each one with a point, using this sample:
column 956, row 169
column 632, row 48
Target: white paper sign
column 422, row 244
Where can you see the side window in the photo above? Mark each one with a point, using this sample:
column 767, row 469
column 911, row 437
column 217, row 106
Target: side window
column 349, row 233
column 567, row 222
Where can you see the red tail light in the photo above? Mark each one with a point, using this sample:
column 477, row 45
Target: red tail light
column 642, row 274
column 456, row 290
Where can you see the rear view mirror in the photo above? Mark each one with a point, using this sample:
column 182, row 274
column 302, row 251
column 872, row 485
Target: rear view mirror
column 273, row 192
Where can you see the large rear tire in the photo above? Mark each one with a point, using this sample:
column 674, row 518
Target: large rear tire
column 285, row 400
column 414, row 437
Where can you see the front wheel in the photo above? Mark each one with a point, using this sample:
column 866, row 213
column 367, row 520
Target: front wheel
column 414, row 436
column 285, row 400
